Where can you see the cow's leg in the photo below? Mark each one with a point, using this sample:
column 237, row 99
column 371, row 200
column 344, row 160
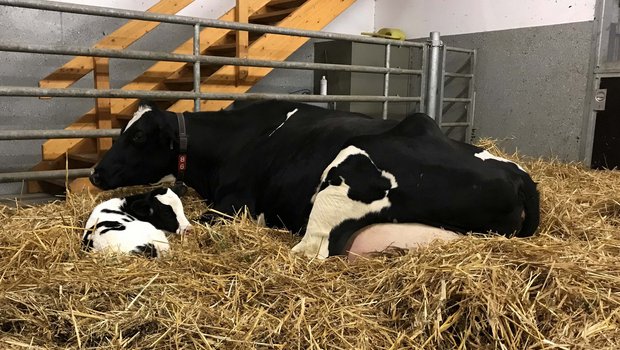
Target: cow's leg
column 351, row 188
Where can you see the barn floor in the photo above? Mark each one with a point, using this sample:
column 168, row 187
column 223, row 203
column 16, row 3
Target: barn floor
column 236, row 286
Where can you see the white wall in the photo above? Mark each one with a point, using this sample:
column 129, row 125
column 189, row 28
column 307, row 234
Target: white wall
column 200, row 8
column 356, row 19
column 419, row 17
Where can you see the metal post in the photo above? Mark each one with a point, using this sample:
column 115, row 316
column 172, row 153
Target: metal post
column 441, row 82
column 433, row 74
column 386, row 80
column 471, row 107
column 423, row 79
column 197, row 67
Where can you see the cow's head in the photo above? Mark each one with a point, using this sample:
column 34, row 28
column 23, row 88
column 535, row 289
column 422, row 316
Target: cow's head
column 144, row 153
column 161, row 207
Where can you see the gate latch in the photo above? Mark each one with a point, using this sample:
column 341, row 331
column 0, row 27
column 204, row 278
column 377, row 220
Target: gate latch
column 600, row 96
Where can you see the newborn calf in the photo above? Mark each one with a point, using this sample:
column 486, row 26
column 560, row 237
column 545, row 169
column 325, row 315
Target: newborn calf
column 136, row 224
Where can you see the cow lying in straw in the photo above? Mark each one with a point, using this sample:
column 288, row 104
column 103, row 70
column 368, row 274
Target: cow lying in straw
column 325, row 174
column 136, row 224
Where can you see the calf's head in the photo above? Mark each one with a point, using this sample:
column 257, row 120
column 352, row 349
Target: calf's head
column 161, row 207
column 144, row 153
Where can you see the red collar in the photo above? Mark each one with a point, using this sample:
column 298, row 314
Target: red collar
column 182, row 157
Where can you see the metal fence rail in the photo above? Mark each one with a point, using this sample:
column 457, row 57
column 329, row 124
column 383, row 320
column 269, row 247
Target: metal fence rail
column 432, row 73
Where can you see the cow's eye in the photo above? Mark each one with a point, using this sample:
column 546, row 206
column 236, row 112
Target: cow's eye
column 138, row 137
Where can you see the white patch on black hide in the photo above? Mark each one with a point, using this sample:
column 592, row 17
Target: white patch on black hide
column 485, row 155
column 170, row 198
column 332, row 205
column 136, row 116
column 288, row 115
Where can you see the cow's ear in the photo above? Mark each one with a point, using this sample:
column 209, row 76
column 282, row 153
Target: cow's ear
column 149, row 104
column 141, row 208
column 180, row 189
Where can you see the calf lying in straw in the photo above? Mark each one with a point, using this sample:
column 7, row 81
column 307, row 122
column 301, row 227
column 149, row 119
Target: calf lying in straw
column 136, row 224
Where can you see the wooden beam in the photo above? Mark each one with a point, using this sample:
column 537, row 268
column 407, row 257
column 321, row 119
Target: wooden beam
column 102, row 105
column 152, row 79
column 121, row 38
column 312, row 15
column 242, row 40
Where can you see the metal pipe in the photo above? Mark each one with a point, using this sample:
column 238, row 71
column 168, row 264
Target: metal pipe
column 188, row 95
column 457, row 100
column 57, row 134
column 457, row 124
column 423, row 79
column 433, row 75
column 44, row 174
column 197, row 66
column 386, row 81
column 204, row 22
column 471, row 108
column 458, row 75
column 440, row 100
column 215, row 60
column 458, row 49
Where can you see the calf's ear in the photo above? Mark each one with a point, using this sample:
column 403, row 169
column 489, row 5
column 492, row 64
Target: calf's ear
column 179, row 188
column 141, row 208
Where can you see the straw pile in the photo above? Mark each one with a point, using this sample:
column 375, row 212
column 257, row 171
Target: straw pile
column 236, row 286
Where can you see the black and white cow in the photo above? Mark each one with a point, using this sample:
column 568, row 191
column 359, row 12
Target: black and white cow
column 328, row 174
column 136, row 224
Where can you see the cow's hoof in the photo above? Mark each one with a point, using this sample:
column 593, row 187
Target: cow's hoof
column 304, row 249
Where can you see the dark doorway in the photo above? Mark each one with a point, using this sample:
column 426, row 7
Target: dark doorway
column 606, row 147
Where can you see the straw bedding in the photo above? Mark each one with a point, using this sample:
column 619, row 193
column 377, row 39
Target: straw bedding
column 236, row 286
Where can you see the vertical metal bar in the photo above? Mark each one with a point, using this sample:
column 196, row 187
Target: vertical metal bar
column 386, row 80
column 471, row 107
column 197, row 67
column 433, row 74
column 423, row 79
column 442, row 81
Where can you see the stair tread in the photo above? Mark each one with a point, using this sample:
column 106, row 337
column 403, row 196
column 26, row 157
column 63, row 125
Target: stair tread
column 271, row 16
column 85, row 157
column 222, row 47
column 285, row 3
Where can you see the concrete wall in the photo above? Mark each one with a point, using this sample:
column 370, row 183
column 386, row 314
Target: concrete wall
column 531, row 86
column 419, row 17
column 532, row 67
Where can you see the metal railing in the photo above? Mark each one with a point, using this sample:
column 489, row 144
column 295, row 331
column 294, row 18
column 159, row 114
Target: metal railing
column 431, row 80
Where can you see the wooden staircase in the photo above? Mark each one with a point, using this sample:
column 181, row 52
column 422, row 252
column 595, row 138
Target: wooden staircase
column 177, row 76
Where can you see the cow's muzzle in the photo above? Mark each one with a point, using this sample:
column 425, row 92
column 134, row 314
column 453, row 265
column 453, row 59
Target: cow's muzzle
column 98, row 180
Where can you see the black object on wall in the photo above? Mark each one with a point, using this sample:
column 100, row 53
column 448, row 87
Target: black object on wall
column 606, row 147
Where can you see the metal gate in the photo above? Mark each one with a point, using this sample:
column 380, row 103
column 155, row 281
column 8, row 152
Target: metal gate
column 433, row 76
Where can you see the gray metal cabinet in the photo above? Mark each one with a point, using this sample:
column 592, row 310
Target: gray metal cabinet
column 355, row 83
